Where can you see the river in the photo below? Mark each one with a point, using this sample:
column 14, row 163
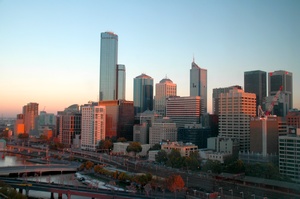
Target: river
column 8, row 160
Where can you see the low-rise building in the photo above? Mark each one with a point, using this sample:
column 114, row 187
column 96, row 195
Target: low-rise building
column 185, row 149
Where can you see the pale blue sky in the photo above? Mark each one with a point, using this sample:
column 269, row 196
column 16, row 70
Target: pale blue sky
column 49, row 50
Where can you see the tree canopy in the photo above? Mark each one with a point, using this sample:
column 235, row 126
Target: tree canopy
column 174, row 183
column 134, row 147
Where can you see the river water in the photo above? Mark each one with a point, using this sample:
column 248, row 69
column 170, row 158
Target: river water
column 8, row 160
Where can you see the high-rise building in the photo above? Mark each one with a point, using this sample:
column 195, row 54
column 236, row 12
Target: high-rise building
column 293, row 118
column 30, row 112
column 235, row 111
column 69, row 126
column 215, row 97
column 19, row 125
column 281, row 80
column 162, row 129
column 184, row 110
column 121, row 81
column 119, row 118
column 198, row 85
column 108, row 66
column 256, row 82
column 92, row 126
column 164, row 89
column 143, row 93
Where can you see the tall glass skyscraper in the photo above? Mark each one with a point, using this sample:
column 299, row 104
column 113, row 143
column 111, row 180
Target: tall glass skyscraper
column 256, row 82
column 121, row 81
column 143, row 93
column 108, row 66
column 198, row 85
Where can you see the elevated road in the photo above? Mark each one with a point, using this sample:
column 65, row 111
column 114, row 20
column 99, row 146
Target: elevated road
column 71, row 190
column 6, row 171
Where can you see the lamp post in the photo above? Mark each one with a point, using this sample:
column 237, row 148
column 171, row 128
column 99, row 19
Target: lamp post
column 221, row 188
column 242, row 193
column 231, row 191
column 253, row 196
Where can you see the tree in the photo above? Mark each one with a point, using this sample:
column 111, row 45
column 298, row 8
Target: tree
column 236, row 167
column 174, row 159
column 213, row 165
column 105, row 145
column 134, row 147
column 174, row 183
column 161, row 157
column 155, row 147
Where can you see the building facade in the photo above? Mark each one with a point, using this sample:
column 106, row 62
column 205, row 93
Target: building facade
column 69, row 126
column 185, row 149
column 108, row 66
column 293, row 118
column 223, row 145
column 30, row 112
column 19, row 125
column 164, row 89
column 142, row 93
column 121, row 82
column 184, row 110
column 198, row 85
column 235, row 111
column 93, row 123
column 215, row 97
column 161, row 130
column 284, row 80
column 256, row 82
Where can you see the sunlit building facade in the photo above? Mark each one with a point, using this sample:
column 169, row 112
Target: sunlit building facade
column 198, row 85
column 164, row 89
column 235, row 111
column 143, row 93
column 93, row 123
column 30, row 112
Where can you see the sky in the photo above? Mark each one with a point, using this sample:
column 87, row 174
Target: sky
column 50, row 50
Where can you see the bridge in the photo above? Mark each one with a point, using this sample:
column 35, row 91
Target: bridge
column 39, row 169
column 70, row 190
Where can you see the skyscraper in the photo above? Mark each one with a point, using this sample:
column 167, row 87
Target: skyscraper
column 121, row 82
column 108, row 66
column 256, row 82
column 143, row 93
column 284, row 80
column 164, row 89
column 30, row 112
column 198, row 85
column 235, row 110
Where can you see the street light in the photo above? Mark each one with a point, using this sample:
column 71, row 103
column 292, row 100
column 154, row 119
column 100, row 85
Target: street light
column 242, row 193
column 221, row 188
column 207, row 194
column 253, row 196
column 230, row 190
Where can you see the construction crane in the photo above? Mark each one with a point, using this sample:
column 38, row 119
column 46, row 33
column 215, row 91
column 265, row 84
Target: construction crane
column 261, row 113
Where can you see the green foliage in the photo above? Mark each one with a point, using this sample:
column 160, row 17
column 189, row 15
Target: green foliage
column 266, row 170
column 174, row 159
column 161, row 157
column 143, row 179
column 134, row 147
column 105, row 145
column 212, row 165
column 237, row 166
column 155, row 147
column 88, row 165
column 10, row 192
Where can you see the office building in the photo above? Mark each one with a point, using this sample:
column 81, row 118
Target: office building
column 235, row 111
column 194, row 133
column 293, row 118
column 256, row 82
column 121, row 82
column 162, row 130
column 215, row 96
column 45, row 121
column 119, row 118
column 185, row 149
column 69, row 126
column 30, row 112
column 281, row 80
column 164, row 89
column 184, row 110
column 198, row 85
column 19, row 125
column 108, row 66
column 143, row 93
column 223, row 145
column 289, row 155
column 92, row 126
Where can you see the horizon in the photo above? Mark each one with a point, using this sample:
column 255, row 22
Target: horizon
column 50, row 51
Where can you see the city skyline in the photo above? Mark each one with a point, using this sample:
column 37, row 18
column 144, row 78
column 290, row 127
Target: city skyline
column 49, row 52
